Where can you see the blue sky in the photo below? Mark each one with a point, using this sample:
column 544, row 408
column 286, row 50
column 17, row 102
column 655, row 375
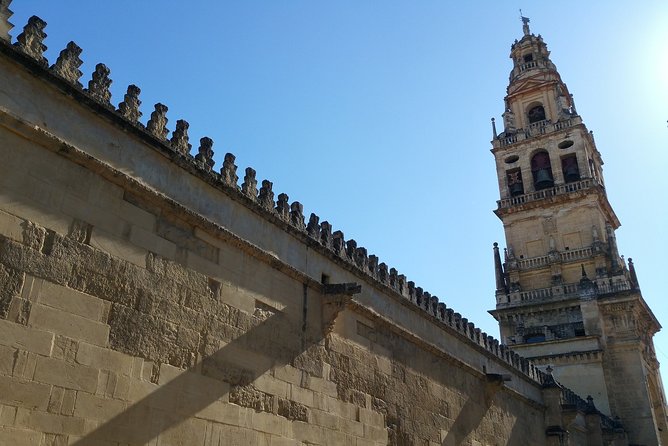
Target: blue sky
column 376, row 115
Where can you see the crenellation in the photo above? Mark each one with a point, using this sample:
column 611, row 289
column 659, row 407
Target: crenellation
column 283, row 207
column 129, row 108
column 266, row 196
column 157, row 124
column 401, row 285
column 393, row 278
column 98, row 86
column 326, row 234
column 339, row 244
column 297, row 215
column 205, row 153
column 426, row 301
column 5, row 24
column 313, row 227
column 68, row 63
column 411, row 291
column 361, row 258
column 383, row 275
column 31, row 40
column 373, row 266
column 351, row 248
column 228, row 172
column 180, row 140
column 249, row 186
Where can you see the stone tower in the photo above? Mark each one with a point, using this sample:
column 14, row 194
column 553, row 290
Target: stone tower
column 564, row 295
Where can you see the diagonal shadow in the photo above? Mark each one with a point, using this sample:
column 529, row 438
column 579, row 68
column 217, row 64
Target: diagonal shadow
column 472, row 413
column 168, row 405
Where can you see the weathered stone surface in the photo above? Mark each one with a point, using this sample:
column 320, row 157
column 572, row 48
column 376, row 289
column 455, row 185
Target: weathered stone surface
column 31, row 40
column 98, row 86
column 157, row 125
column 129, row 108
column 68, row 63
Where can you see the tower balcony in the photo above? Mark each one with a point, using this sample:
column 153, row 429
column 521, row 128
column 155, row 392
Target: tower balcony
column 555, row 191
column 539, row 128
column 544, row 261
column 566, row 291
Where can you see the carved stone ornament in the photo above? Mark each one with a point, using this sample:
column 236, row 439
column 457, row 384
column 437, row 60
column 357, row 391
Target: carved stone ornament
column 68, row 63
column 266, row 195
column 5, row 25
column 180, row 141
column 31, row 40
column 129, row 108
column 249, row 186
column 157, row 125
column 98, row 86
column 205, row 152
column 229, row 171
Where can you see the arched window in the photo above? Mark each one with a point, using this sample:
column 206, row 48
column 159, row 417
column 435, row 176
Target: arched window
column 542, row 171
column 569, row 166
column 515, row 185
column 536, row 114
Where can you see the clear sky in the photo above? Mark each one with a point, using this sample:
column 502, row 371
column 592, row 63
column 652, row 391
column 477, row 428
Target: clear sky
column 376, row 115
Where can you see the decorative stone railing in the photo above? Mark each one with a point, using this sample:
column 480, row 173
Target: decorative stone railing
column 537, row 128
column 561, row 189
column 564, row 256
column 64, row 74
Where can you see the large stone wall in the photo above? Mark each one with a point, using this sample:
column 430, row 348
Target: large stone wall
column 146, row 299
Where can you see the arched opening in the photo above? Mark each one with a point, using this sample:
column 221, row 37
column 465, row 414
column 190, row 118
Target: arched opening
column 569, row 166
column 515, row 184
column 542, row 171
column 536, row 114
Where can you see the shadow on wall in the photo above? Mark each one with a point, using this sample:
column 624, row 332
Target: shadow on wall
column 147, row 418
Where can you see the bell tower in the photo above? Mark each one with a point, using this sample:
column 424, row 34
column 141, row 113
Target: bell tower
column 565, row 297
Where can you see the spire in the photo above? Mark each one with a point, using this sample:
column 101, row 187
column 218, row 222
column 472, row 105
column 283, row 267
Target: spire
column 525, row 24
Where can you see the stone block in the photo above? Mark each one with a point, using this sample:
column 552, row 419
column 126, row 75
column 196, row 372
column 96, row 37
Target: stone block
column 137, row 216
column 68, row 324
column 151, row 242
column 268, row 384
column 376, row 434
column 104, row 358
column 6, row 360
column 71, row 301
column 98, row 217
column 321, row 385
column 93, row 407
column 371, row 418
column 7, row 415
column 50, row 423
column 24, row 364
column 14, row 436
column 30, row 395
column 288, row 374
column 324, row 419
column 70, row 376
column 118, row 247
column 270, row 423
column 220, row 412
column 25, row 338
column 301, row 395
column 351, row 427
column 11, row 226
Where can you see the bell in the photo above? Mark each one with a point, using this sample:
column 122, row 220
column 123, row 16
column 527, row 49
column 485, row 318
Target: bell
column 516, row 189
column 543, row 179
column 571, row 173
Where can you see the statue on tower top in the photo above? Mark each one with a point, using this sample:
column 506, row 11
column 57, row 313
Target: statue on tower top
column 525, row 24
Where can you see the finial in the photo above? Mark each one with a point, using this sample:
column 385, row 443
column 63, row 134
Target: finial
column 129, row 108
column 525, row 24
column 31, row 40
column 266, row 195
column 180, row 141
column 282, row 207
column 98, row 86
column 584, row 273
column 5, row 26
column 68, row 63
column 494, row 128
column 297, row 215
column 157, row 125
column 205, row 152
column 229, row 171
column 249, row 186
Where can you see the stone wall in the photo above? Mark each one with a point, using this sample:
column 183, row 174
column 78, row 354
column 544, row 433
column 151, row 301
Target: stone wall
column 147, row 299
